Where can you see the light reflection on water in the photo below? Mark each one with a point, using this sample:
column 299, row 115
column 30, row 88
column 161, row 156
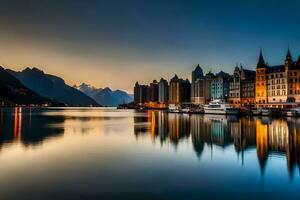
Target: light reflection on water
column 112, row 154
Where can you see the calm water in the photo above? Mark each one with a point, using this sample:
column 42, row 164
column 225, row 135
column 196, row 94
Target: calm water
column 119, row 154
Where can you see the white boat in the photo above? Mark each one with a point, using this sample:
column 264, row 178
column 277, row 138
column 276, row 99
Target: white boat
column 256, row 111
column 266, row 111
column 220, row 107
column 174, row 108
column 185, row 110
column 294, row 112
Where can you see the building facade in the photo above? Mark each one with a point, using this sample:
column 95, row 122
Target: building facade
column 197, row 86
column 248, row 93
column 163, row 91
column 141, row 94
column 294, row 82
column 179, row 90
column 201, row 86
column 220, row 86
column 277, row 86
column 154, row 91
column 239, row 92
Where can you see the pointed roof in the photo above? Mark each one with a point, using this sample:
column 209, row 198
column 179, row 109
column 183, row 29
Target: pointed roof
column 197, row 73
column 288, row 55
column 175, row 78
column 261, row 61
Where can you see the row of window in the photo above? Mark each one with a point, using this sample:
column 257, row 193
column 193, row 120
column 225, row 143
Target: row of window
column 274, row 76
column 294, row 73
column 234, row 95
column 273, row 87
column 294, row 80
column 277, row 81
column 277, row 93
column 294, row 86
column 294, row 91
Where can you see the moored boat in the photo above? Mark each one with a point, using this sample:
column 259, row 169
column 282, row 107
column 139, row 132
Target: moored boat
column 266, row 111
column 173, row 108
column 256, row 111
column 220, row 107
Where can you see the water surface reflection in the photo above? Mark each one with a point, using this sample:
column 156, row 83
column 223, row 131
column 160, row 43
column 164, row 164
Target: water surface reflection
column 270, row 137
column 83, row 153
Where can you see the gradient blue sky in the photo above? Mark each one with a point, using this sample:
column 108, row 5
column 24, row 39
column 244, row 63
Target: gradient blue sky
column 115, row 43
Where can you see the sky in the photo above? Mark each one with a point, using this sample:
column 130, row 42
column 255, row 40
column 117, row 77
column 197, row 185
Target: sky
column 115, row 43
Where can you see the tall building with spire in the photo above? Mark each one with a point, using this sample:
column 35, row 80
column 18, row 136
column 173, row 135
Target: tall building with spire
column 261, row 81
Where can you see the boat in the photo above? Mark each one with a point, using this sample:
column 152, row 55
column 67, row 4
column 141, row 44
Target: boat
column 289, row 113
column 173, row 108
column 185, row 110
column 256, row 111
column 220, row 107
column 266, row 111
column 294, row 112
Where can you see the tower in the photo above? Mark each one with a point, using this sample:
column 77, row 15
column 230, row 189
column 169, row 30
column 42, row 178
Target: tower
column 197, row 73
column 288, row 60
column 261, row 81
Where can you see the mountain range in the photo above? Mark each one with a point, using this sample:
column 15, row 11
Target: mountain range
column 52, row 87
column 12, row 92
column 105, row 96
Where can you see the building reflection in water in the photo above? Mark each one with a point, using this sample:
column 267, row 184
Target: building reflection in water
column 280, row 137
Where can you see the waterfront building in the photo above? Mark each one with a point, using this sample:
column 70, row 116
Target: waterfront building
column 277, row 86
column 154, row 91
column 136, row 95
column 248, row 92
column 207, row 86
column 163, row 91
column 185, row 91
column 179, row 90
column 261, row 81
column 201, row 86
column 234, row 87
column 174, row 90
column 197, row 73
column 197, row 86
column 294, row 82
column 141, row 93
column 220, row 86
column 242, row 78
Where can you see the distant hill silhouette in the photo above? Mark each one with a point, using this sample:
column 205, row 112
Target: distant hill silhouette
column 106, row 96
column 12, row 92
column 52, row 87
